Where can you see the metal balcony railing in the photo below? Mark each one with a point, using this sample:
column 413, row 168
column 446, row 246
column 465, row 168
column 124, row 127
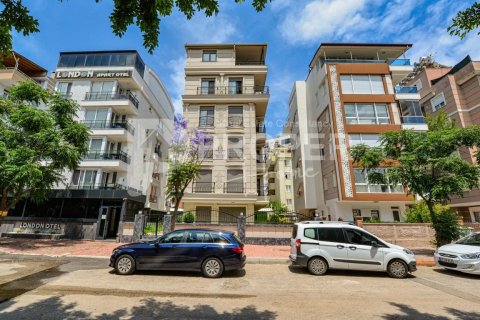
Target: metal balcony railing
column 250, row 63
column 106, row 96
column 206, row 121
column 101, row 124
column 234, row 187
column 203, row 187
column 405, row 89
column 399, row 62
column 235, row 121
column 103, row 186
column 235, row 154
column 413, row 119
column 233, row 90
column 100, row 155
column 263, row 191
column 260, row 128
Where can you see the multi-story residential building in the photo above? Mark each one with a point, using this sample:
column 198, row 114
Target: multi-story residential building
column 130, row 115
column 16, row 68
column 456, row 91
column 226, row 97
column 350, row 96
column 280, row 173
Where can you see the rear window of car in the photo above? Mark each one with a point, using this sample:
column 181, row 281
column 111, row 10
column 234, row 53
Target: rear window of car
column 294, row 231
column 310, row 233
column 330, row 235
column 237, row 239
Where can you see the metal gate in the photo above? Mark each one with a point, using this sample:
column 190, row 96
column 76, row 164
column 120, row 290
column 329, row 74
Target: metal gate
column 153, row 225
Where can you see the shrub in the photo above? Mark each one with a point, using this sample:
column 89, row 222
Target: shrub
column 446, row 227
column 418, row 213
column 275, row 217
column 189, row 217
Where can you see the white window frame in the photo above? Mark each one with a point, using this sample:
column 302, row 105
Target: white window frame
column 372, row 188
column 343, row 78
column 437, row 106
column 362, row 140
column 376, row 117
column 418, row 84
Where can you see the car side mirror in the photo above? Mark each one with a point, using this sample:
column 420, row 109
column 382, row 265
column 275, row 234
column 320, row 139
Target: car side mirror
column 375, row 244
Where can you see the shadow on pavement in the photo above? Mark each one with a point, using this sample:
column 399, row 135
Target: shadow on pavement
column 192, row 274
column 350, row 273
column 55, row 308
column 408, row 312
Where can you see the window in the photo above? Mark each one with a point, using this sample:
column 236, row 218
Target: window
column 198, row 236
column 203, row 184
column 325, row 184
column 330, row 235
column 95, row 145
column 363, row 186
column 103, row 87
column 288, row 188
column 362, row 84
column 209, row 55
column 207, row 117
column 410, row 108
column 366, row 113
column 418, row 84
column 438, row 102
column 174, row 237
column 96, row 118
column 286, row 163
column 64, row 88
column 359, row 237
column 207, row 86
column 235, row 86
column 206, row 150
column 356, row 213
column 322, row 152
column 84, row 178
column 370, row 139
column 334, row 181
column 235, row 116
column 289, row 202
column 288, row 176
column 310, row 233
column 234, row 181
column 375, row 214
column 217, row 238
column 235, row 147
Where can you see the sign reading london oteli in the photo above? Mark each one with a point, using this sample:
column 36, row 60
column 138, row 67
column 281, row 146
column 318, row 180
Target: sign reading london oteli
column 93, row 74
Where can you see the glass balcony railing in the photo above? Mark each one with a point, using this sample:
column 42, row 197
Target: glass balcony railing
column 399, row 62
column 413, row 120
column 404, row 89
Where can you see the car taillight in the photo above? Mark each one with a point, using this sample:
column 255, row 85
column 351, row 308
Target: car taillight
column 297, row 244
column 237, row 250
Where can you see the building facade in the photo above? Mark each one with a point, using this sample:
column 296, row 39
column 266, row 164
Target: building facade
column 225, row 96
column 130, row 115
column 351, row 96
column 456, row 91
column 280, row 173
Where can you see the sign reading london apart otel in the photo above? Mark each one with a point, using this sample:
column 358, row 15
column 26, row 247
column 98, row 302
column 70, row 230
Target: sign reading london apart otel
column 92, row 74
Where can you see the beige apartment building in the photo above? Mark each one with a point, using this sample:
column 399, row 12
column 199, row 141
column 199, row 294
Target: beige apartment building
column 351, row 96
column 456, row 91
column 280, row 175
column 225, row 96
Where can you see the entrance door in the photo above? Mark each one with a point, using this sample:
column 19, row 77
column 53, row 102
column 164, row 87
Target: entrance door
column 103, row 221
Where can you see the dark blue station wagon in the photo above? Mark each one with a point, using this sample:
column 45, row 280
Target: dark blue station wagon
column 210, row 251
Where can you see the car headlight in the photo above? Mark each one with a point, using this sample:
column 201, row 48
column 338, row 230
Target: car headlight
column 408, row 251
column 471, row 256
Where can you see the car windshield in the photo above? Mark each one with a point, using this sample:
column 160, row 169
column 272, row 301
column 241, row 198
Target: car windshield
column 471, row 240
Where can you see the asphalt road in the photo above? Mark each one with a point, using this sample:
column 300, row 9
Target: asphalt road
column 73, row 288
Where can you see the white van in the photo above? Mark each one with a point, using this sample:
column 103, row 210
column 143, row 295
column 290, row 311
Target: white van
column 320, row 245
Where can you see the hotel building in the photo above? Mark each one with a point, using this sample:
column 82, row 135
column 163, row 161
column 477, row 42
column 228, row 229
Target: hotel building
column 130, row 115
column 456, row 91
column 225, row 96
column 351, row 96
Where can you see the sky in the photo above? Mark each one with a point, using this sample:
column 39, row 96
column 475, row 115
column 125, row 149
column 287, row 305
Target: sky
column 293, row 30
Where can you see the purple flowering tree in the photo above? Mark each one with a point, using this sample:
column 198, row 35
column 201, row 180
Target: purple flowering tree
column 186, row 154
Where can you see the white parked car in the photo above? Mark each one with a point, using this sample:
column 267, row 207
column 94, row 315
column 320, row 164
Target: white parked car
column 320, row 246
column 463, row 255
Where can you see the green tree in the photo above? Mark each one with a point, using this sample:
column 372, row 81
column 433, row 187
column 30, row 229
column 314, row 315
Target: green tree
column 36, row 144
column 186, row 154
column 466, row 21
column 427, row 164
column 146, row 14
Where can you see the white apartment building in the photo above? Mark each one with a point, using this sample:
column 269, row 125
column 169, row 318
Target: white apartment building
column 225, row 96
column 130, row 114
column 351, row 95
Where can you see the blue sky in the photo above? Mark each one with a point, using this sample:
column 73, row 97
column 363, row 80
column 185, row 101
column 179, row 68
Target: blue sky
column 293, row 30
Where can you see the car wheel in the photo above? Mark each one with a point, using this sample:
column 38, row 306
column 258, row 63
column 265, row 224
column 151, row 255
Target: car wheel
column 317, row 266
column 212, row 268
column 397, row 269
column 125, row 265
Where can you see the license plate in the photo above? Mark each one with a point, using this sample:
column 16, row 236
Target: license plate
column 446, row 260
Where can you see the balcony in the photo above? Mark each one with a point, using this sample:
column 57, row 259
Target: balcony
column 203, row 187
column 233, row 90
column 416, row 123
column 122, row 103
column 263, row 191
column 100, row 155
column 406, row 93
column 104, row 186
column 235, row 121
column 250, row 63
column 399, row 62
column 109, row 125
column 234, row 187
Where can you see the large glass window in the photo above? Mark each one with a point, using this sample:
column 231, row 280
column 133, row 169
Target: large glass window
column 362, row 185
column 363, row 113
column 235, row 116
column 209, row 55
column 235, row 86
column 234, row 181
column 362, row 84
column 235, row 147
column 102, row 60
column 84, row 178
column 64, row 88
column 370, row 139
column 207, row 86
column 207, row 117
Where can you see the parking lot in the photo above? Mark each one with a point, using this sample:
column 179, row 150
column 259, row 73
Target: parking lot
column 76, row 288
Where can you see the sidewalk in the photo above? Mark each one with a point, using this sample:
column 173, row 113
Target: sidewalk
column 78, row 248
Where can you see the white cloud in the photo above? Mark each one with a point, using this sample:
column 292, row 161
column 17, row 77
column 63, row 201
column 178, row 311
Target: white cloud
column 177, row 81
